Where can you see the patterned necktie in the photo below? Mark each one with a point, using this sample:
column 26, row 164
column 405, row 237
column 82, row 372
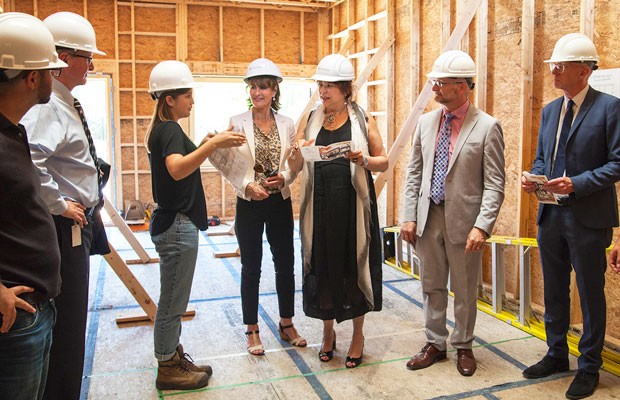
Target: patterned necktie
column 442, row 155
column 560, row 156
column 89, row 138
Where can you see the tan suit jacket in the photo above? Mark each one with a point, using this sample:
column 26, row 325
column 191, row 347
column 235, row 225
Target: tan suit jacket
column 474, row 181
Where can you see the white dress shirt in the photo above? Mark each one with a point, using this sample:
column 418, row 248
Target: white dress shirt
column 59, row 149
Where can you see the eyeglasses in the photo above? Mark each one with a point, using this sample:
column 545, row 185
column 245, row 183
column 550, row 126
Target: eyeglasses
column 89, row 59
column 557, row 68
column 438, row 83
column 55, row 72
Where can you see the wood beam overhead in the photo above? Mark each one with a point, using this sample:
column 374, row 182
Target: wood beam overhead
column 288, row 5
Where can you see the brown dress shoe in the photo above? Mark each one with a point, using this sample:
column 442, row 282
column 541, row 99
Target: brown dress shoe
column 426, row 357
column 465, row 362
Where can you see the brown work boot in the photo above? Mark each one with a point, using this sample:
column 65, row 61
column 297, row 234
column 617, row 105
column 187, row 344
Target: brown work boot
column 189, row 362
column 175, row 374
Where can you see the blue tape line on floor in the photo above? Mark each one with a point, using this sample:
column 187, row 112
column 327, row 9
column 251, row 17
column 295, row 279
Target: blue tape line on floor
column 91, row 332
column 312, row 380
column 450, row 323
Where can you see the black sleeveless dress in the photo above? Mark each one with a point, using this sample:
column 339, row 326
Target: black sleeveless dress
column 330, row 289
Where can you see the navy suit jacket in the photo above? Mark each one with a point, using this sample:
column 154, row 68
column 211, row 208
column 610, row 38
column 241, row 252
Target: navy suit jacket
column 592, row 157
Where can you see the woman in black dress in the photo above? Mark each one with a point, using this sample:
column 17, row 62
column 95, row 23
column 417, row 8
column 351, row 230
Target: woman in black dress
column 341, row 249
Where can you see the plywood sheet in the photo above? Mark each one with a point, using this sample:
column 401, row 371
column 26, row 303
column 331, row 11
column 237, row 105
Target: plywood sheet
column 203, row 33
column 212, row 186
column 360, row 10
column 126, row 104
column 282, row 36
column 48, row 7
column 143, row 158
column 155, row 19
column 144, row 104
column 311, row 39
column 127, row 158
column 142, row 125
column 125, row 71
column 124, row 18
column 129, row 191
column 144, row 186
column 101, row 16
column 23, row 6
column 124, row 47
column 127, row 132
column 143, row 72
column 158, row 48
column 241, row 34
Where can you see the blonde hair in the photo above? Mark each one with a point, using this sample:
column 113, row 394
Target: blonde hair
column 162, row 112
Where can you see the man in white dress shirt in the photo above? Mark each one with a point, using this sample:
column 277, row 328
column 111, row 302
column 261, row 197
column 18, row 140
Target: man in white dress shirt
column 62, row 148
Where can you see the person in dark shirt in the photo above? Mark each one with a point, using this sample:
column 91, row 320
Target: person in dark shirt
column 181, row 212
column 29, row 260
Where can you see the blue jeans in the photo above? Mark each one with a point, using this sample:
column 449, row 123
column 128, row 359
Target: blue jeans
column 24, row 353
column 178, row 249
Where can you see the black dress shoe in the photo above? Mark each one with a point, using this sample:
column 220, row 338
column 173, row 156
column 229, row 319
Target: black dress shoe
column 583, row 385
column 545, row 367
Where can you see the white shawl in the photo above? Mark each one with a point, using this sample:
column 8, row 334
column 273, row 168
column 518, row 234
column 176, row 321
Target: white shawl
column 359, row 181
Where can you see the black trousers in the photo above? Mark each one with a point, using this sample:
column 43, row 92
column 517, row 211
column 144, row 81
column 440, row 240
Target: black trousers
column 64, row 379
column 252, row 217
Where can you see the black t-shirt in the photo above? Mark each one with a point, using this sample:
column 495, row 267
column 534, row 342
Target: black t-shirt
column 185, row 196
column 29, row 252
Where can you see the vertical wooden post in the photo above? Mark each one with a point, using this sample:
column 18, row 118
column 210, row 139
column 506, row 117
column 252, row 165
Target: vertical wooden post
column 525, row 144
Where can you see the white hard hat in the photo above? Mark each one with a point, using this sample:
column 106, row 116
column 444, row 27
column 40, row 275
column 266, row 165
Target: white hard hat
column 26, row 44
column 453, row 64
column 262, row 67
column 72, row 31
column 170, row 75
column 573, row 47
column 334, row 68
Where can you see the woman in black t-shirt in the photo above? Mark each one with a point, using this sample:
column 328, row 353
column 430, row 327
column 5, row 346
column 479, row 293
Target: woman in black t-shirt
column 181, row 212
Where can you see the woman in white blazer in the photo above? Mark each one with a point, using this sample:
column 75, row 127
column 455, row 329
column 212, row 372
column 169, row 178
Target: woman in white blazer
column 264, row 201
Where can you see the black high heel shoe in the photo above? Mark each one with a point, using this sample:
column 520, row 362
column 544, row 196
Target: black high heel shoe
column 351, row 362
column 326, row 356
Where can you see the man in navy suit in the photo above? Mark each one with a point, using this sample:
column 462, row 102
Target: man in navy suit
column 579, row 150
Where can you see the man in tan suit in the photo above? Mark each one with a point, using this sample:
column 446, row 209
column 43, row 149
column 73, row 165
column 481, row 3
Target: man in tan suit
column 453, row 193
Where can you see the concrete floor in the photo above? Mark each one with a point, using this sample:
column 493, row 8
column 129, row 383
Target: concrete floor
column 120, row 363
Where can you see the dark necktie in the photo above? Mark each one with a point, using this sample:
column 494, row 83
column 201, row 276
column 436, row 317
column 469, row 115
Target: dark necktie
column 560, row 155
column 440, row 166
column 89, row 138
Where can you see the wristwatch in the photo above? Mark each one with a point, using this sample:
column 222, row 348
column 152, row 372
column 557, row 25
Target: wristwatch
column 364, row 161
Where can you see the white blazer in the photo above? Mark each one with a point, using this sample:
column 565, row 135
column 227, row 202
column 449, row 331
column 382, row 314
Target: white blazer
column 286, row 128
